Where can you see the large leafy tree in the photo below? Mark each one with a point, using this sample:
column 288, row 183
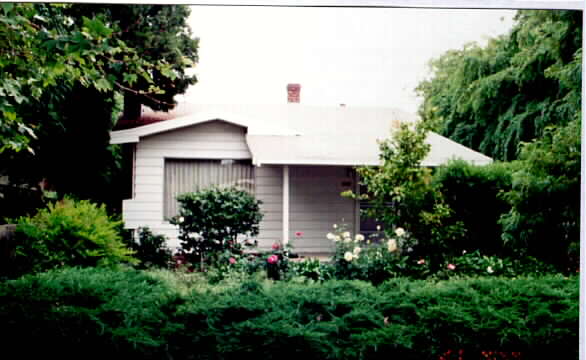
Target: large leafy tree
column 65, row 73
column 494, row 97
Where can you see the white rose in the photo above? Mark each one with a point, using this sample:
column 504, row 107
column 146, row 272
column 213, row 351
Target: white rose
column 357, row 250
column 348, row 256
column 399, row 231
column 335, row 226
column 346, row 234
column 359, row 237
column 331, row 236
column 392, row 245
column 181, row 219
column 489, row 270
column 347, row 239
column 337, row 238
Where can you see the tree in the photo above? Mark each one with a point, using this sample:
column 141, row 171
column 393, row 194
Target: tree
column 544, row 219
column 65, row 73
column 401, row 194
column 495, row 97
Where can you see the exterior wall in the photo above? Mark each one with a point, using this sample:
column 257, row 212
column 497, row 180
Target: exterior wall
column 315, row 201
column 211, row 140
column 316, row 204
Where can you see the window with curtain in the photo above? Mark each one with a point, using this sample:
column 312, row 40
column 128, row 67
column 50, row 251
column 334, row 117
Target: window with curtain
column 183, row 176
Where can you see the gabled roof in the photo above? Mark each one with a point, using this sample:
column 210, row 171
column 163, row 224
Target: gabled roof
column 308, row 135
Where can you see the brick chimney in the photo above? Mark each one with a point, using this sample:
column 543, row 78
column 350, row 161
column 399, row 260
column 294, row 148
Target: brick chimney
column 293, row 93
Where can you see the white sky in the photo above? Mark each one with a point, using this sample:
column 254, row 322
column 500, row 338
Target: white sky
column 359, row 57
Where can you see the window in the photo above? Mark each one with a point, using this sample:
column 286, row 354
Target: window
column 183, row 176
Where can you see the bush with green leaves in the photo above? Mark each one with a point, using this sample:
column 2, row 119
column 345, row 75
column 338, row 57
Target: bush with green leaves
column 151, row 249
column 312, row 269
column 544, row 219
column 164, row 315
column 474, row 193
column 401, row 193
column 69, row 233
column 375, row 259
column 212, row 221
column 471, row 264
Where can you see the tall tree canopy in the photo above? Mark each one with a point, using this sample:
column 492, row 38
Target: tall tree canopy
column 65, row 72
column 495, row 97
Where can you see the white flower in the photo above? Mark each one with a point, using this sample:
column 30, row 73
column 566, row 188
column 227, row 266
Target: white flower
column 181, row 219
column 399, row 231
column 347, row 239
column 337, row 238
column 357, row 250
column 392, row 245
column 346, row 234
column 348, row 256
column 335, row 226
column 463, row 252
column 331, row 236
column 378, row 228
column 489, row 270
column 359, row 237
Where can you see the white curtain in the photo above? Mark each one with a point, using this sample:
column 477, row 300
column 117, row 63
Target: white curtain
column 183, row 176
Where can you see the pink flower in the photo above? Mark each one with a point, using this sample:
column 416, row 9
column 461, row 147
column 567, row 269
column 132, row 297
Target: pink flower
column 232, row 261
column 421, row 262
column 273, row 259
column 451, row 267
column 299, row 234
column 276, row 246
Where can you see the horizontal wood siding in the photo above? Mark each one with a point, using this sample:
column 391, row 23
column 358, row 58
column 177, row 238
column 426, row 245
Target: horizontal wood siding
column 316, row 205
column 269, row 190
column 211, row 140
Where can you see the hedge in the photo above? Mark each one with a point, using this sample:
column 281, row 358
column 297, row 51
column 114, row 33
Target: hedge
column 98, row 312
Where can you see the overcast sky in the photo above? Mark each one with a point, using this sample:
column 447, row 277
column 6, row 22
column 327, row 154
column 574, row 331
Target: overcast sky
column 359, row 57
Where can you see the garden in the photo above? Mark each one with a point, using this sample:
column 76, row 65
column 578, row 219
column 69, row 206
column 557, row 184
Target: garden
column 433, row 283
column 469, row 262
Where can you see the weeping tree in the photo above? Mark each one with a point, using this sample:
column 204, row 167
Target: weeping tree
column 492, row 98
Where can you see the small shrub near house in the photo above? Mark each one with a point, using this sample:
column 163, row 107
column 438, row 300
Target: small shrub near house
column 69, row 233
column 211, row 222
column 151, row 249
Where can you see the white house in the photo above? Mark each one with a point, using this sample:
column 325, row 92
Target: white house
column 296, row 159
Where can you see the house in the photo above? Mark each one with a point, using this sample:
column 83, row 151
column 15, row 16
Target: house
column 296, row 159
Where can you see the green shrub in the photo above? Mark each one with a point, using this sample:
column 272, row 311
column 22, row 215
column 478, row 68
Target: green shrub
column 91, row 313
column 312, row 269
column 401, row 194
column 155, row 315
column 474, row 192
column 69, row 233
column 211, row 220
column 544, row 219
column 151, row 249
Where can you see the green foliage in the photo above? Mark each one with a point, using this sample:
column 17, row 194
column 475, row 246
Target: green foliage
column 495, row 97
column 544, row 220
column 471, row 264
column 401, row 193
column 211, row 220
column 69, row 233
column 88, row 313
column 312, row 269
column 151, row 249
column 65, row 71
column 142, row 315
column 474, row 193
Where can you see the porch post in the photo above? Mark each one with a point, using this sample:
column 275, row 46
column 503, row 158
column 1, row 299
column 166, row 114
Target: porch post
column 285, row 204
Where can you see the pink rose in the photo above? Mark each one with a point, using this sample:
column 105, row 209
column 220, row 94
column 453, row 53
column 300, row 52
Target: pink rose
column 451, row 267
column 273, row 259
column 421, row 262
column 299, row 234
column 232, row 261
column 276, row 246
